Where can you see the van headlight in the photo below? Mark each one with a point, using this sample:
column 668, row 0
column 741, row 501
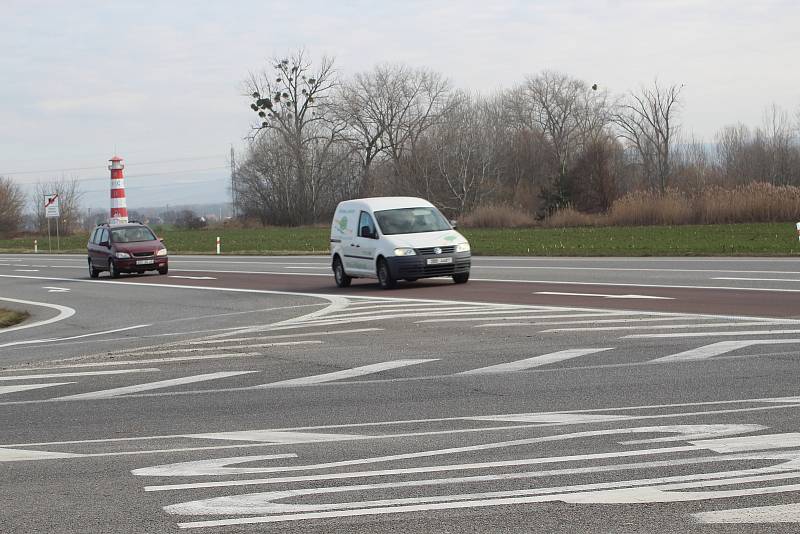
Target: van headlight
column 122, row 255
column 462, row 247
column 161, row 252
column 405, row 251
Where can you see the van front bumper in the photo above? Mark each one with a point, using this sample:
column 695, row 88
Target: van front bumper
column 404, row 267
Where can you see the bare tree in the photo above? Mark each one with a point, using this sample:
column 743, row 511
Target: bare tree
column 12, row 203
column 390, row 108
column 647, row 121
column 69, row 202
column 291, row 99
column 569, row 114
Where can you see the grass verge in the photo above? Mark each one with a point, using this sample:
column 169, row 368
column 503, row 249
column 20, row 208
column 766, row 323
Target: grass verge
column 756, row 239
column 10, row 317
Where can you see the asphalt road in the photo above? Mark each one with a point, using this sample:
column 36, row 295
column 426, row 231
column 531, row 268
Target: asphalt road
column 243, row 394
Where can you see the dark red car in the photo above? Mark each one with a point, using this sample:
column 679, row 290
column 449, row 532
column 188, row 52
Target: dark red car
column 125, row 248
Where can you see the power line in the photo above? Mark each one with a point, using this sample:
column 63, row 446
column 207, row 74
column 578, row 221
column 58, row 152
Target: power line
column 138, row 163
column 166, row 173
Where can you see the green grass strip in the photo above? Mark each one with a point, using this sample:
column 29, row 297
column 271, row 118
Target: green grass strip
column 760, row 239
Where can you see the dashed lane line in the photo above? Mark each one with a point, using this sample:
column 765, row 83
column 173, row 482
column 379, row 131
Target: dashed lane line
column 85, row 373
column 27, row 387
column 669, row 326
column 535, row 361
column 150, row 386
column 346, row 373
column 713, row 334
column 716, row 349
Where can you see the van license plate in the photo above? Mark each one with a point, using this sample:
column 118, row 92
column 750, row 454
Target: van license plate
column 145, row 262
column 436, row 261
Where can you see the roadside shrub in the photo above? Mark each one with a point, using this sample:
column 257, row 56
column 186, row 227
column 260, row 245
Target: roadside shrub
column 570, row 217
column 650, row 208
column 497, row 216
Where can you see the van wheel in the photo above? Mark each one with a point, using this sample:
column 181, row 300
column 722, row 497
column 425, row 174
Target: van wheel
column 112, row 269
column 385, row 276
column 93, row 273
column 342, row 280
column 461, row 278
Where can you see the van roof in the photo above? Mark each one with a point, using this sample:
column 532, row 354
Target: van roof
column 387, row 203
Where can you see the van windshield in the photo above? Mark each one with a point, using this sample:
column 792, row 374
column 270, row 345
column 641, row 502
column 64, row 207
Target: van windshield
column 411, row 221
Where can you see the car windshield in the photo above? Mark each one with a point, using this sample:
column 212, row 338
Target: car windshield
column 132, row 235
column 411, row 221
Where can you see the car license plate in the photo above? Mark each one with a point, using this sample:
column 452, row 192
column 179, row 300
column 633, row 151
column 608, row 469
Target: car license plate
column 436, row 261
column 145, row 262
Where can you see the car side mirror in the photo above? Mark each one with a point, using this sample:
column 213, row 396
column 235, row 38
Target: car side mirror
column 454, row 224
column 105, row 244
column 367, row 232
column 160, row 239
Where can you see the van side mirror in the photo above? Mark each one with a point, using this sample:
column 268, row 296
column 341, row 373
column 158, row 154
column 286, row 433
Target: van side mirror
column 366, row 231
column 105, row 244
column 454, row 224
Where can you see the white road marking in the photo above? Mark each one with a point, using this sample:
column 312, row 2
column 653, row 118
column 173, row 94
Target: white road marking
column 757, row 279
column 193, row 277
column 346, row 373
column 610, row 284
column 25, row 387
column 171, row 350
column 85, row 373
column 779, row 513
column 603, row 296
column 115, row 392
column 20, row 455
column 670, row 326
column 56, row 289
column 219, row 338
column 535, row 361
column 714, row 334
column 64, row 312
column 58, row 339
column 722, row 347
column 483, row 317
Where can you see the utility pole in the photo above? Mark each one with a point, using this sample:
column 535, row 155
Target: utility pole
column 233, row 183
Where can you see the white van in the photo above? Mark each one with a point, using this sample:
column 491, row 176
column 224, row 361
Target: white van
column 395, row 238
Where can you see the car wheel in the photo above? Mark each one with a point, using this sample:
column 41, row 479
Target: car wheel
column 93, row 273
column 385, row 276
column 342, row 280
column 112, row 269
column 163, row 270
column 461, row 278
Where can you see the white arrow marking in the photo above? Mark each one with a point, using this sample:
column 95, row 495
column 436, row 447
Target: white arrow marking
column 194, row 277
column 602, row 296
column 780, row 513
column 109, row 393
column 56, row 289
column 26, row 387
column 529, row 363
column 347, row 373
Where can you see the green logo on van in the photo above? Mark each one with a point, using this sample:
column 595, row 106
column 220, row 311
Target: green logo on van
column 450, row 237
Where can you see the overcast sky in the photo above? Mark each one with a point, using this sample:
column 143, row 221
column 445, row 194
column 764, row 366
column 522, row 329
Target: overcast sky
column 160, row 81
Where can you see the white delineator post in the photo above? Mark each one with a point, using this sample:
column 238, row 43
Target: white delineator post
column 217, row 244
column 35, row 246
column 119, row 206
column 798, row 230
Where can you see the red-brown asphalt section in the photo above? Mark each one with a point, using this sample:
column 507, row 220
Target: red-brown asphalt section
column 686, row 300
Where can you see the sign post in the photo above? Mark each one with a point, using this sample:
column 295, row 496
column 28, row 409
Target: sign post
column 51, row 211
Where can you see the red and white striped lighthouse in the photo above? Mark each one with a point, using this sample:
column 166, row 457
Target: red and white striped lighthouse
column 119, row 208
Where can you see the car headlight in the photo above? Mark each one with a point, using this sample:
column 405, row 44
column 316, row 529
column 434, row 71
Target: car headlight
column 122, row 255
column 405, row 251
column 161, row 252
column 462, row 247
